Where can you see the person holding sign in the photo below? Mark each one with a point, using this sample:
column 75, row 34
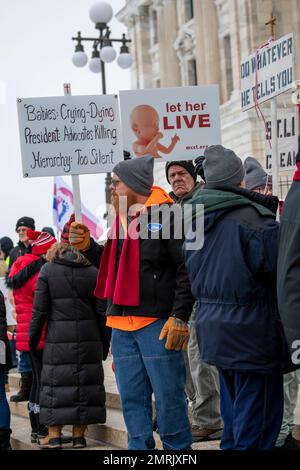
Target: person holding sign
column 144, row 121
column 76, row 342
column 143, row 277
column 22, row 280
column 233, row 277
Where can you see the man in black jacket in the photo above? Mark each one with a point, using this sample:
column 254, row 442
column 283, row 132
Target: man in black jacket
column 23, row 245
column 288, row 274
column 143, row 276
column 289, row 266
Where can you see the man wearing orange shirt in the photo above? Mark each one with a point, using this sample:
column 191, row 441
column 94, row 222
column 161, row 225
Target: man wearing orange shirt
column 143, row 277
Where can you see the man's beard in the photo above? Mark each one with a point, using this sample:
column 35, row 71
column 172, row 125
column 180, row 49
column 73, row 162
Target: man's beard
column 114, row 199
column 126, row 203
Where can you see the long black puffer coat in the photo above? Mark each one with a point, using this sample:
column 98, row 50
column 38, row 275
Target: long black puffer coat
column 72, row 390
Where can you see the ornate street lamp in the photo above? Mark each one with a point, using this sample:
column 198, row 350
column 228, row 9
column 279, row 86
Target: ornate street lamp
column 103, row 52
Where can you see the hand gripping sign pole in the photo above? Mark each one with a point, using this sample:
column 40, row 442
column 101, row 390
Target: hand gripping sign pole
column 274, row 141
column 75, row 178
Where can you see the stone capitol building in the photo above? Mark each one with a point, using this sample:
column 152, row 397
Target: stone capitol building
column 201, row 42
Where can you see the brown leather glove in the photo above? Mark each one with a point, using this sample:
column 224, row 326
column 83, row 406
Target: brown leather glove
column 177, row 333
column 79, row 236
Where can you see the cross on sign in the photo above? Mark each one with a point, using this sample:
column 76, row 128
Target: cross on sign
column 67, row 88
column 272, row 23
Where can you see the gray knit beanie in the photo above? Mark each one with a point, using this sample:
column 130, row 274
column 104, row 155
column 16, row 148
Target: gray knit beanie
column 137, row 173
column 222, row 167
column 255, row 175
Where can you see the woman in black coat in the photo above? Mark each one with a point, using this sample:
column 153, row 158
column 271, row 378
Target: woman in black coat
column 5, row 363
column 76, row 342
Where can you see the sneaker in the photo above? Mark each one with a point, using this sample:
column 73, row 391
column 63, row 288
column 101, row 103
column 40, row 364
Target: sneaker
column 79, row 442
column 204, row 434
column 290, row 444
column 49, row 443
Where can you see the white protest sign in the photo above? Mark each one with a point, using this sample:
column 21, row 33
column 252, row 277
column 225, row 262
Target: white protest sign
column 69, row 135
column 287, row 141
column 271, row 68
column 172, row 123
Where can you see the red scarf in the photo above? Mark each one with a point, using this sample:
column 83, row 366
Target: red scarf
column 123, row 286
column 297, row 173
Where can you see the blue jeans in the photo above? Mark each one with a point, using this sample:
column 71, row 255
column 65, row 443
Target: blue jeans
column 144, row 366
column 251, row 408
column 4, row 408
column 24, row 366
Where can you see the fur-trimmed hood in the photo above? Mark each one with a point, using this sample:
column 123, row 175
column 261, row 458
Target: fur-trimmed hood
column 71, row 257
column 23, row 269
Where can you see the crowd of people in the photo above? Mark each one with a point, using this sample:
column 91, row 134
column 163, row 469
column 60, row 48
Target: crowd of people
column 211, row 327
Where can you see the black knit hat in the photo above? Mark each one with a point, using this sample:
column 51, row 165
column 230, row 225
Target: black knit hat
column 6, row 245
column 186, row 164
column 25, row 222
column 49, row 230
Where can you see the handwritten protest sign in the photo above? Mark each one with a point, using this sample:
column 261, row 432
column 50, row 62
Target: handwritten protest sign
column 287, row 141
column 170, row 123
column 69, row 135
column 267, row 73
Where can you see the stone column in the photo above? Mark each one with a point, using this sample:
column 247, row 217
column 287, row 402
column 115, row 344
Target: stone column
column 207, row 42
column 167, row 32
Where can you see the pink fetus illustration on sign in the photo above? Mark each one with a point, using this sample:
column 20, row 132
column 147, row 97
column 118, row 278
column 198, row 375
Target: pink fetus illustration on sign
column 144, row 121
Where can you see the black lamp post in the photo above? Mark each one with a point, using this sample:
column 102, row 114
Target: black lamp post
column 103, row 52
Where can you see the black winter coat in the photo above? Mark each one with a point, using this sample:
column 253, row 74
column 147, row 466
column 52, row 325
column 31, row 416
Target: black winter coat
column 288, row 271
column 72, row 389
column 164, row 285
column 3, row 330
column 18, row 251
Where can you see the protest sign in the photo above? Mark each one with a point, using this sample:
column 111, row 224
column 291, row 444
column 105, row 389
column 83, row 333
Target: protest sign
column 170, row 123
column 69, row 135
column 267, row 73
column 287, row 141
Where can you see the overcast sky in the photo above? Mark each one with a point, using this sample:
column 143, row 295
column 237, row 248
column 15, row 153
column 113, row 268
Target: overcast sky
column 35, row 60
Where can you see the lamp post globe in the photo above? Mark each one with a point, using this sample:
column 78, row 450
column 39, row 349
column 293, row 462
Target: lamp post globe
column 79, row 59
column 95, row 65
column 108, row 54
column 101, row 12
column 124, row 60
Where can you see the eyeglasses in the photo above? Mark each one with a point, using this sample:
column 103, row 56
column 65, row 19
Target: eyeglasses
column 115, row 182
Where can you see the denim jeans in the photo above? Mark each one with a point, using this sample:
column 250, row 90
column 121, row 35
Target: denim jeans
column 144, row 366
column 24, row 365
column 4, row 408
